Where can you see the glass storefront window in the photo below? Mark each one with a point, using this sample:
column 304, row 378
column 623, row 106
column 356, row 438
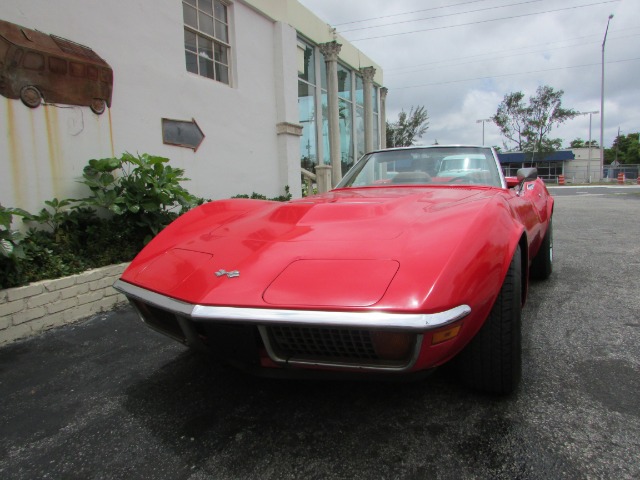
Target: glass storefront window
column 313, row 110
column 359, row 127
column 359, row 91
column 306, row 116
column 346, row 135
column 325, row 129
column 344, row 82
column 306, row 63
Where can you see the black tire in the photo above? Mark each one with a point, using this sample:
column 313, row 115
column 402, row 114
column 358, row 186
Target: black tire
column 31, row 96
column 492, row 362
column 98, row 106
column 542, row 264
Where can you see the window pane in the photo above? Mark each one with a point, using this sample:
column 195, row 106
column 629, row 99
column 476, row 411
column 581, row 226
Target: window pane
column 76, row 69
column 359, row 91
column 92, row 72
column 323, row 72
column 306, row 117
column 221, row 54
column 57, row 65
column 220, row 11
column 326, row 155
column 190, row 41
column 374, row 98
column 192, row 62
column 344, row 82
column 376, row 132
column 346, row 136
column 307, row 67
column 191, row 2
column 221, row 31
column 206, row 6
column 206, row 24
column 222, row 73
column 206, row 66
column 205, row 48
column 190, row 16
column 33, row 61
column 359, row 131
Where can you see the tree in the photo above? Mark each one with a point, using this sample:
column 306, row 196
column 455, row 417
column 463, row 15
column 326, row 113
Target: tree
column 511, row 119
column 625, row 149
column 528, row 127
column 408, row 127
column 579, row 143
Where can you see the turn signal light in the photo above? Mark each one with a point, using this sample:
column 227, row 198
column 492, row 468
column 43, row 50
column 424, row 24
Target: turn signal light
column 444, row 335
column 393, row 345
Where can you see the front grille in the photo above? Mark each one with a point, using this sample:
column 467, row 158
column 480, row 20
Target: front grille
column 326, row 343
column 162, row 320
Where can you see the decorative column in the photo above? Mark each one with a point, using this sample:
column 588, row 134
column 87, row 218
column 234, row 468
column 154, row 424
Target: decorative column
column 383, row 117
column 330, row 50
column 367, row 77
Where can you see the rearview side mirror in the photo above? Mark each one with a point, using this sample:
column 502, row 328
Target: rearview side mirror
column 527, row 174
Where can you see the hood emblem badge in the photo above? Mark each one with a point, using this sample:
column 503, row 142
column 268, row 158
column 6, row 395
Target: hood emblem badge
column 231, row 274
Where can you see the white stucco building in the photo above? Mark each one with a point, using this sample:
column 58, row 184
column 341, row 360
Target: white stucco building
column 269, row 84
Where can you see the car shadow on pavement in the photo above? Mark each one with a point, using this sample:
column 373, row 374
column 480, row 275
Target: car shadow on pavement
column 212, row 415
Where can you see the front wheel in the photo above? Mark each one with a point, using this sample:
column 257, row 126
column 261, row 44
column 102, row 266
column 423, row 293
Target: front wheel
column 492, row 362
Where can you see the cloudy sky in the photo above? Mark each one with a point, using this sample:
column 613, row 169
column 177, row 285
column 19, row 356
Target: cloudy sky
column 459, row 58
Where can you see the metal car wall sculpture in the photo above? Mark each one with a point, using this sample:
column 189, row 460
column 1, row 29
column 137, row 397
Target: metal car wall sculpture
column 419, row 257
column 35, row 66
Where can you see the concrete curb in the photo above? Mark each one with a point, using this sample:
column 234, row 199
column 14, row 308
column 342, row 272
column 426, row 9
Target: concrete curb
column 29, row 310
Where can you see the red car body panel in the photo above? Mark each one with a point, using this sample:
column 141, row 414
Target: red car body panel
column 393, row 249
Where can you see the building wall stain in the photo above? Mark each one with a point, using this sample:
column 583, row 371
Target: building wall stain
column 15, row 155
column 43, row 151
column 53, row 145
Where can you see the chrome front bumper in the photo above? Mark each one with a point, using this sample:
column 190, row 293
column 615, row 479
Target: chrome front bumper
column 374, row 320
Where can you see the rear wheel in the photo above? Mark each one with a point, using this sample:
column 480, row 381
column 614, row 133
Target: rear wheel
column 30, row 96
column 98, row 106
column 542, row 264
column 492, row 362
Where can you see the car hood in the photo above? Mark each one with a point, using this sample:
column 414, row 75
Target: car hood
column 344, row 249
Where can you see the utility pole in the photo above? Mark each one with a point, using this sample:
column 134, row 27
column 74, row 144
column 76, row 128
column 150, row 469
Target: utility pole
column 483, row 120
column 602, row 99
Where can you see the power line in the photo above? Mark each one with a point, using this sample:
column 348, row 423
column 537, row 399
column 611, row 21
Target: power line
column 442, row 16
column 512, row 74
column 485, row 21
column 408, row 13
column 501, row 53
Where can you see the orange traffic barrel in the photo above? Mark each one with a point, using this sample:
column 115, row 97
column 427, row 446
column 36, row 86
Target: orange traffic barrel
column 621, row 178
column 560, row 179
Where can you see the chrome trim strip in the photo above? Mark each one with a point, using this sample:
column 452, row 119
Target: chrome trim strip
column 409, row 322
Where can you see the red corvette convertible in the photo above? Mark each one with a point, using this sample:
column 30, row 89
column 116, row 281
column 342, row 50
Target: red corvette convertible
column 420, row 256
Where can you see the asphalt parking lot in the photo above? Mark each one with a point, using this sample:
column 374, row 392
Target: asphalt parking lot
column 109, row 399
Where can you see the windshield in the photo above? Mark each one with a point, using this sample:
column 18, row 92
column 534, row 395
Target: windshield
column 426, row 165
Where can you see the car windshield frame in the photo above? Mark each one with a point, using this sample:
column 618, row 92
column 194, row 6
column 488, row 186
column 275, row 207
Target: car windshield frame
column 456, row 165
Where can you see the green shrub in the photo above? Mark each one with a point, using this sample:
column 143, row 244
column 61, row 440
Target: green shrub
column 140, row 188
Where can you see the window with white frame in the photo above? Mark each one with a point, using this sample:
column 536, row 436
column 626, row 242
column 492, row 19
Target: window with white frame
column 206, row 38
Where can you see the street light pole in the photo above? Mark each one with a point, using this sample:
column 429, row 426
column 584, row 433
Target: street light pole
column 602, row 99
column 483, row 120
column 589, row 144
